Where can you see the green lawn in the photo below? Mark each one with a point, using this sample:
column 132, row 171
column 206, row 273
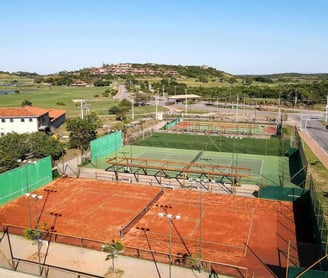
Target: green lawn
column 62, row 98
column 53, row 97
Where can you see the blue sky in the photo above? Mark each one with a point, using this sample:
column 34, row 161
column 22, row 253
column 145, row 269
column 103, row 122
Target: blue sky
column 236, row 36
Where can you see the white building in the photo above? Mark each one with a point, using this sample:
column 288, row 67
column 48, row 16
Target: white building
column 29, row 119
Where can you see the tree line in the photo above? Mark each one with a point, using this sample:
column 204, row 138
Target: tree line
column 16, row 148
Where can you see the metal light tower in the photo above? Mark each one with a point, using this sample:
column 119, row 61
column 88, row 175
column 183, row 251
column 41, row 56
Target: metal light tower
column 156, row 100
column 237, row 108
column 36, row 198
column 170, row 217
column 200, row 228
column 327, row 111
column 186, row 104
column 132, row 108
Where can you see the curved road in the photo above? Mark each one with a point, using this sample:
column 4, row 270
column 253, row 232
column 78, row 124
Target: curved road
column 122, row 93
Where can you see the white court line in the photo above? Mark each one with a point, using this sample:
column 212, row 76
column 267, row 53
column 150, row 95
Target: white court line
column 262, row 162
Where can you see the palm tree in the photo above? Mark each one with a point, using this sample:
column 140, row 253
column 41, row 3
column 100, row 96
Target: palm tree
column 112, row 249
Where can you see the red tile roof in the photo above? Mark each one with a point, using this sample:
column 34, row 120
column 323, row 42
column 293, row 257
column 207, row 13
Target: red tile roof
column 20, row 112
column 56, row 113
column 30, row 111
column 36, row 110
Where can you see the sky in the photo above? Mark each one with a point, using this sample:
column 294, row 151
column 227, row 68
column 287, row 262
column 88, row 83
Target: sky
column 236, row 36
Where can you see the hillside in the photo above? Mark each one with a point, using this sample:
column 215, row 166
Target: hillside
column 289, row 89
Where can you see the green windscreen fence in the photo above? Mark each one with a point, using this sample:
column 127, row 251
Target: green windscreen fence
column 281, row 193
column 293, row 271
column 105, row 145
column 27, row 178
column 173, row 123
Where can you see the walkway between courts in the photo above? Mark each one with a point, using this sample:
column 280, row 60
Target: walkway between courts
column 83, row 260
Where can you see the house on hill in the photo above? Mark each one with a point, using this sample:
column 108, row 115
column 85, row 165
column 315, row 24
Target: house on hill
column 30, row 119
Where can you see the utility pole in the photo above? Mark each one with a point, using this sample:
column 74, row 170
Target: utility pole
column 170, row 217
column 200, row 228
column 327, row 110
column 156, row 100
column 186, row 103
column 132, row 100
column 237, row 108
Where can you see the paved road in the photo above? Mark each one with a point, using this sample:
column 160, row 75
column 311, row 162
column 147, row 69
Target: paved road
column 318, row 133
column 122, row 93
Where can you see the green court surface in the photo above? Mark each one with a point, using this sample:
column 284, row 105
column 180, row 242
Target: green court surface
column 263, row 170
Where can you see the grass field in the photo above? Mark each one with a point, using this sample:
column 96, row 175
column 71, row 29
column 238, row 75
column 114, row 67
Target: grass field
column 62, row 98
column 52, row 97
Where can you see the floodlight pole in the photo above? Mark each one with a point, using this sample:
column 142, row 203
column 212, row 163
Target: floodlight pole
column 200, row 229
column 186, row 104
column 35, row 197
column 132, row 108
column 237, row 108
column 156, row 100
column 81, row 109
column 131, row 155
column 279, row 111
column 170, row 217
column 27, row 174
column 327, row 110
column 29, row 209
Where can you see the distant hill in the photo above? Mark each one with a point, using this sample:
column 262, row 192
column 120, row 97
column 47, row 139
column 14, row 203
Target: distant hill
column 190, row 71
column 292, row 75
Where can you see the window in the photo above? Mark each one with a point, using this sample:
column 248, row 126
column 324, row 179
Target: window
column 3, row 120
column 2, row 134
column 11, row 120
column 31, row 120
column 22, row 120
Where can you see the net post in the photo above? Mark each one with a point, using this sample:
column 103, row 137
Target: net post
column 249, row 232
column 287, row 263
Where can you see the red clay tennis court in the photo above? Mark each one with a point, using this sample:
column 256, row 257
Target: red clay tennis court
column 246, row 232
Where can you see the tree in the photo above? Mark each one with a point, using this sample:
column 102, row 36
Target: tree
column 120, row 110
column 26, row 103
column 248, row 81
column 15, row 147
column 7, row 162
column 141, row 98
column 102, row 83
column 83, row 130
column 194, row 261
column 42, row 145
column 113, row 110
column 112, row 249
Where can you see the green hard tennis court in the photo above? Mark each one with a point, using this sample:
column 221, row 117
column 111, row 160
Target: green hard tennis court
column 264, row 170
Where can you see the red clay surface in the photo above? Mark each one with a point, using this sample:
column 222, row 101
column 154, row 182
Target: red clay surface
column 97, row 210
column 90, row 209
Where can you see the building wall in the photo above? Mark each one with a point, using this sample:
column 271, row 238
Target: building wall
column 18, row 125
column 58, row 122
column 44, row 120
